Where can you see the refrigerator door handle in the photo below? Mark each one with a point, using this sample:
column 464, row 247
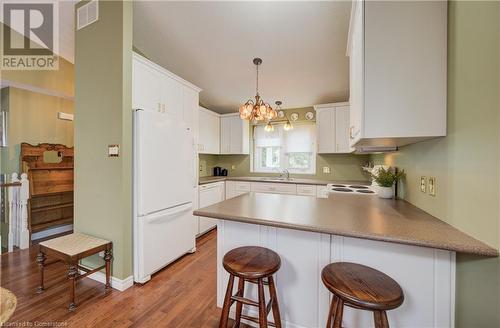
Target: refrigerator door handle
column 158, row 217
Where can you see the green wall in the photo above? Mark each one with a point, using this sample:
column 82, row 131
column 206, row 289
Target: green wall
column 103, row 108
column 466, row 162
column 33, row 119
column 342, row 166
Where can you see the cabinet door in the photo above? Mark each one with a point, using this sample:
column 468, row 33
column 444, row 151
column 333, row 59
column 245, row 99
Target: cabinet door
column 146, row 88
column 213, row 142
column 225, row 135
column 190, row 109
column 209, row 194
column 209, row 140
column 342, row 130
column 356, row 71
column 235, row 142
column 325, row 124
column 171, row 95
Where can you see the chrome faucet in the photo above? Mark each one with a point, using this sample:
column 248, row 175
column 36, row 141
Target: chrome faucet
column 285, row 173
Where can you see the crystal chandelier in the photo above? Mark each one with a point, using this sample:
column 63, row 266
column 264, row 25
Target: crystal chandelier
column 257, row 110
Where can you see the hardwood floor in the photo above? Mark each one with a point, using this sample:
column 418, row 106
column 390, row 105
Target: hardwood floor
column 182, row 295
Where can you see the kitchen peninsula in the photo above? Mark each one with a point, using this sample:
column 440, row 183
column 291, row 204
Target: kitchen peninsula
column 415, row 248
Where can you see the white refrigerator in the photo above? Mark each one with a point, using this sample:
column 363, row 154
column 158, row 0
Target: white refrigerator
column 164, row 227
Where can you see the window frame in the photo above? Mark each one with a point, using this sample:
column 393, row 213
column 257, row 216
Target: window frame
column 284, row 158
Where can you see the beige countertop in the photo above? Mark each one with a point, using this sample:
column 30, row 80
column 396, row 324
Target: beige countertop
column 205, row 180
column 359, row 216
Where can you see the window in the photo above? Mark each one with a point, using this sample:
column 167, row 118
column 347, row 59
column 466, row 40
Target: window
column 294, row 150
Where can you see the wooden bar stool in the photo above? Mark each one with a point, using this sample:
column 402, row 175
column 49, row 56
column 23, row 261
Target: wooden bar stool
column 71, row 249
column 360, row 287
column 254, row 265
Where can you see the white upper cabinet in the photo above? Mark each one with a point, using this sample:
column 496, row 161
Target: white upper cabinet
column 156, row 89
column 234, row 135
column 209, row 139
column 398, row 61
column 332, row 128
column 146, row 90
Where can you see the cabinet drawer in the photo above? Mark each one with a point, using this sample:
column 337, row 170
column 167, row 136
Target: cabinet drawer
column 242, row 186
column 306, row 190
column 276, row 188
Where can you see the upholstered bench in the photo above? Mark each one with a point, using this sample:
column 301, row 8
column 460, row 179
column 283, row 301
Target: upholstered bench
column 71, row 249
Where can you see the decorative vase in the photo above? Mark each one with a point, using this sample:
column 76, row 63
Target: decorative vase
column 385, row 192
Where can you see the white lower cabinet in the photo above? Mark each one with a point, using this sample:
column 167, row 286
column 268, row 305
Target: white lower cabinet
column 307, row 190
column 209, row 194
column 236, row 188
column 274, row 188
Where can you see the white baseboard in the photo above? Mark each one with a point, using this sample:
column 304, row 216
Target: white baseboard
column 118, row 284
column 51, row 232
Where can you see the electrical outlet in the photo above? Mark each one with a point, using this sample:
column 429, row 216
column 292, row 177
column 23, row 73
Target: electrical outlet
column 326, row 170
column 423, row 184
column 432, row 186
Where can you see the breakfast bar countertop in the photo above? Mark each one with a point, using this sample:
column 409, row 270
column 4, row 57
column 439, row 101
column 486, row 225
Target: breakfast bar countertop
column 359, row 216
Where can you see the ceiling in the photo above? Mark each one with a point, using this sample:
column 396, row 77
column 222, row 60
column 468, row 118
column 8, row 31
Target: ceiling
column 212, row 44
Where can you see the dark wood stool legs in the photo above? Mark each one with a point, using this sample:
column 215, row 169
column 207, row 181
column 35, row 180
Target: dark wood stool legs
column 227, row 303
column 380, row 318
column 41, row 264
column 240, row 300
column 336, row 313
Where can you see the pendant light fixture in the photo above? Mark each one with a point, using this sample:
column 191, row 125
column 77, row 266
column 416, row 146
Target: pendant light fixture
column 288, row 125
column 257, row 110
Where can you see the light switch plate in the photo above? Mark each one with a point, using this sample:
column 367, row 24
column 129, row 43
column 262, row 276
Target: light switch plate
column 233, row 167
column 326, row 170
column 113, row 150
column 432, row 186
column 423, row 184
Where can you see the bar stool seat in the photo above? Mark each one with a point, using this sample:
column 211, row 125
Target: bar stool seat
column 255, row 265
column 251, row 262
column 361, row 287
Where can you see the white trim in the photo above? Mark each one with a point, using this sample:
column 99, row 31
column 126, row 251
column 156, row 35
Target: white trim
column 179, row 79
column 330, row 105
column 51, row 232
column 118, row 284
column 27, row 87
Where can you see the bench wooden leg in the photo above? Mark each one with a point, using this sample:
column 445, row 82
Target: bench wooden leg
column 72, row 274
column 107, row 258
column 41, row 264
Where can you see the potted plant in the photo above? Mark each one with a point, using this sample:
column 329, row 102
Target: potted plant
column 385, row 179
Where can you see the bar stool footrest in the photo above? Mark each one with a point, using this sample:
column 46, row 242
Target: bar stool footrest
column 255, row 320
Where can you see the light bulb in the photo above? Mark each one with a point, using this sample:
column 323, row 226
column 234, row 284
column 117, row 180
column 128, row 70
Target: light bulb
column 269, row 127
column 288, row 126
column 246, row 111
